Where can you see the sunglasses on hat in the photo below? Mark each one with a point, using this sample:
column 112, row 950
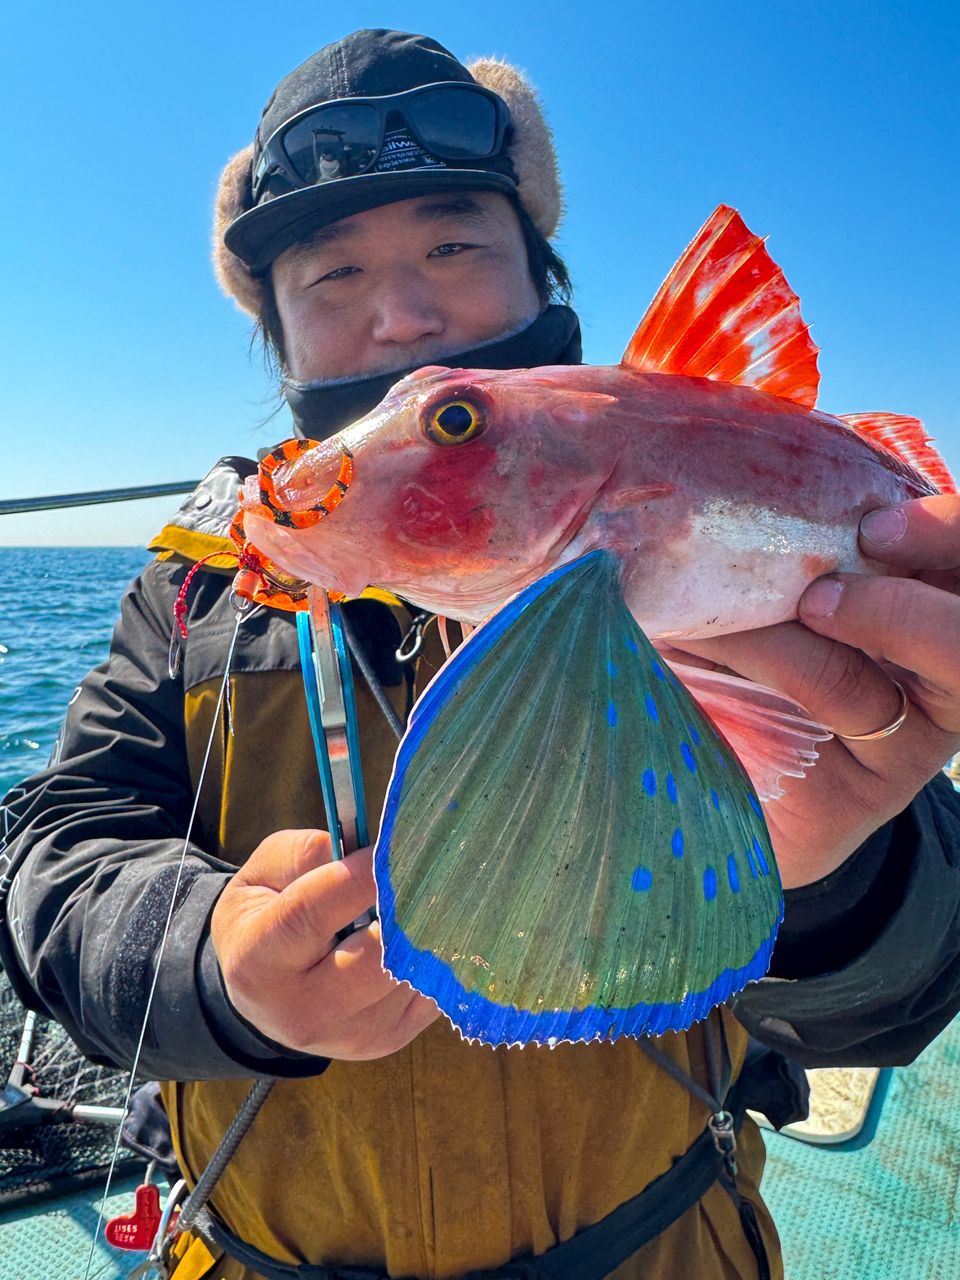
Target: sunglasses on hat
column 450, row 120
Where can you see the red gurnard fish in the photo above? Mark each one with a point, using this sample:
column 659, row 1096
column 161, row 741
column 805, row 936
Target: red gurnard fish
column 699, row 461
column 568, row 848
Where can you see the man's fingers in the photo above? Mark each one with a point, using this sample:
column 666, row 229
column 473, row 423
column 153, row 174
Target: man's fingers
column 285, row 856
column 349, row 981
column 904, row 622
column 923, row 534
column 355, row 965
column 308, row 914
column 375, row 1014
column 274, row 930
column 359, row 1031
column 838, row 685
column 420, row 1011
column 396, row 1019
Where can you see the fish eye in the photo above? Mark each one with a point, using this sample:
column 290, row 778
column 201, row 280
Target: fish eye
column 453, row 422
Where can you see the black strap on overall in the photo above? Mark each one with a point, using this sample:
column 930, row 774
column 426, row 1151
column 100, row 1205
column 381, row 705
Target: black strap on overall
column 599, row 1249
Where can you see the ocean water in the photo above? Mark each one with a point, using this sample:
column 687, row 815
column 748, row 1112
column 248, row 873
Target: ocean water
column 58, row 606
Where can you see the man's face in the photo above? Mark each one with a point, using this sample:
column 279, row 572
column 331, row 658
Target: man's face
column 402, row 285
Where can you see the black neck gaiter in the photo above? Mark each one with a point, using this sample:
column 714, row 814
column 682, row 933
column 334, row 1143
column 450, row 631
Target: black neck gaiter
column 319, row 410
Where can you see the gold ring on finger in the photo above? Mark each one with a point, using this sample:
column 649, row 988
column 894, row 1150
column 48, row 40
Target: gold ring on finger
column 887, row 729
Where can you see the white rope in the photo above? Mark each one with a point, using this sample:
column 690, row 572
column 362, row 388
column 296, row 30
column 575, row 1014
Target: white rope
column 163, row 943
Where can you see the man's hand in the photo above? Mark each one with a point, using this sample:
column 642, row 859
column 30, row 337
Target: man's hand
column 910, row 627
column 274, row 931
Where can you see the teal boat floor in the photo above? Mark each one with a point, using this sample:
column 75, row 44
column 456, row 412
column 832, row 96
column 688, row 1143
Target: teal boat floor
column 51, row 1240
column 884, row 1206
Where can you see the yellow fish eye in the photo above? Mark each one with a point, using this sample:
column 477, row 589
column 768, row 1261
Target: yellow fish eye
column 454, row 422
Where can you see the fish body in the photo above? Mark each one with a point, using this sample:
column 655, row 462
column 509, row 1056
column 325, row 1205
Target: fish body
column 721, row 502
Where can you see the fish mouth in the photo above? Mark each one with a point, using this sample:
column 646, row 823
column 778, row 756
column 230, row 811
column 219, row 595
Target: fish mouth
column 306, row 555
column 310, row 483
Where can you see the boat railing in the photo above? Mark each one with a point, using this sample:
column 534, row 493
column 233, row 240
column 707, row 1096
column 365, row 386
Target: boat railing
column 94, row 497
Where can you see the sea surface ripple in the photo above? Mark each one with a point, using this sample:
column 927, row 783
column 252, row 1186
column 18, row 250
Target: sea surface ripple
column 57, row 612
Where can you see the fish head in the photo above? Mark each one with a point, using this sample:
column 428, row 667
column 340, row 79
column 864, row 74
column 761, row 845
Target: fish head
column 460, row 488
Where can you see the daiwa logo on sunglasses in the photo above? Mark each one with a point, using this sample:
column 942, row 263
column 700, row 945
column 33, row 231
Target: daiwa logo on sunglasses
column 401, row 152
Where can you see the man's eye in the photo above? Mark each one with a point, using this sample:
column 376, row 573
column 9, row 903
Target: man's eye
column 448, row 250
column 340, row 273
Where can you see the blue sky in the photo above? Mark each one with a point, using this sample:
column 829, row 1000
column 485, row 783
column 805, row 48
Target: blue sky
column 834, row 128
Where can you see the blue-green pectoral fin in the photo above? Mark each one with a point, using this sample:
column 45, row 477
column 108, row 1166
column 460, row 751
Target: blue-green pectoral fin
column 568, row 850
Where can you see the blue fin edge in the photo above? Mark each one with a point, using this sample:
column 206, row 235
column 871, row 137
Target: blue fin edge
column 478, row 1018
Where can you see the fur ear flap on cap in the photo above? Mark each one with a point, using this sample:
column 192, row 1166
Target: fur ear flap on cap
column 532, row 150
column 233, row 196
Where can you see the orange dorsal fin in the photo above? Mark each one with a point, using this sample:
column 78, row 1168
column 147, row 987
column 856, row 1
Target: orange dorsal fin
column 726, row 312
column 906, row 438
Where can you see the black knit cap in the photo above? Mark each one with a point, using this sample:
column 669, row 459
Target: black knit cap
column 364, row 64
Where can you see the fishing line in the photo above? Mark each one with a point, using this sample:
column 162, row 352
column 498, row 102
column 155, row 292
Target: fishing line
column 163, row 941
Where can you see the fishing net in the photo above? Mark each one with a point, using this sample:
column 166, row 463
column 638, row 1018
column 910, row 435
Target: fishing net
column 41, row 1152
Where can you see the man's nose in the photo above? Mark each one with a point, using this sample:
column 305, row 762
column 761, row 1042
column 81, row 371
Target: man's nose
column 406, row 310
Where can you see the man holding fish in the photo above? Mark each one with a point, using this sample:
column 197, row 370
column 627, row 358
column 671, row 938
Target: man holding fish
column 393, row 213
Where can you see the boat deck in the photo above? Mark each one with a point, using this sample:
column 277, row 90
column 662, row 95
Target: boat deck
column 886, row 1204
column 883, row 1206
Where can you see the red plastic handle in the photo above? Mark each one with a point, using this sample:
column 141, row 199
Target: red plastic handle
column 137, row 1230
